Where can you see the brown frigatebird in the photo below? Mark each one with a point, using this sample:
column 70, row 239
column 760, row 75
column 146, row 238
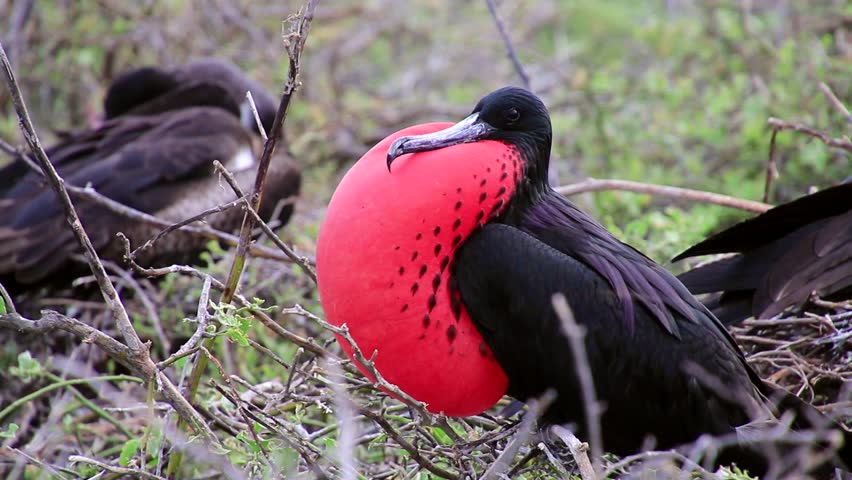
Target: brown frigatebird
column 156, row 157
column 782, row 256
column 441, row 251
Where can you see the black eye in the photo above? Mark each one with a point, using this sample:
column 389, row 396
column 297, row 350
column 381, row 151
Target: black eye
column 512, row 115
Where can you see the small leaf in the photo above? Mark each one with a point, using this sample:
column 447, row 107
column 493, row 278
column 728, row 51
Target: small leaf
column 128, row 452
column 28, row 368
column 10, row 431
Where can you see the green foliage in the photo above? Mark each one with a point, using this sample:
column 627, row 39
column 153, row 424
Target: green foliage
column 28, row 368
column 236, row 321
column 10, row 431
column 128, row 452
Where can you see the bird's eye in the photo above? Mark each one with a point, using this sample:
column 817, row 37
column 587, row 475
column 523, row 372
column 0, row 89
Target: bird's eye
column 513, row 115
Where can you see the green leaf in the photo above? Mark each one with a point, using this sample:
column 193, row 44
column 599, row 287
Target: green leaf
column 28, row 368
column 10, row 431
column 2, row 306
column 441, row 436
column 128, row 452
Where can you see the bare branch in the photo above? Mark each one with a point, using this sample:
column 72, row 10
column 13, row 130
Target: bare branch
column 139, row 364
column 301, row 261
column 579, row 451
column 597, row 185
column 536, row 408
column 591, row 407
column 835, row 102
column 295, row 43
column 842, row 143
column 368, row 364
column 771, row 167
column 510, row 49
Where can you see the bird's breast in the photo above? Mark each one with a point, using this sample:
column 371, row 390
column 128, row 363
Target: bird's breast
column 383, row 262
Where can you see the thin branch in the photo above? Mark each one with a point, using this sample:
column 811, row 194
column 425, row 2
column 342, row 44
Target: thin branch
column 133, row 472
column 8, row 149
column 301, row 261
column 579, row 450
column 407, row 446
column 592, row 409
column 107, row 289
column 359, row 356
column 597, row 185
column 842, row 143
column 256, row 115
column 183, row 223
column 536, row 408
column 7, row 300
column 295, row 43
column 771, row 167
column 510, row 49
column 92, row 195
column 835, row 102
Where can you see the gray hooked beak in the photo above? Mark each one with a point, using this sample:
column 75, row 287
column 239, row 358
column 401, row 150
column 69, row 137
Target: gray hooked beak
column 468, row 130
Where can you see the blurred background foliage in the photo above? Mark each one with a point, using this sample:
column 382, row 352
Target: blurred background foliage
column 669, row 91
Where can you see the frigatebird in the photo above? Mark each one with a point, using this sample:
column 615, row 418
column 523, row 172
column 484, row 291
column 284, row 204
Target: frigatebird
column 158, row 161
column 149, row 91
column 443, row 264
column 782, row 256
column 204, row 82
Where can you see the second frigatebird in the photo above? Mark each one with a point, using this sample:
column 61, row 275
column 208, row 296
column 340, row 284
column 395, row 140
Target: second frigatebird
column 443, row 265
column 154, row 153
column 782, row 256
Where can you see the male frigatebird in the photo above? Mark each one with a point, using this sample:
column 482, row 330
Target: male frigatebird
column 157, row 160
column 443, row 265
column 783, row 255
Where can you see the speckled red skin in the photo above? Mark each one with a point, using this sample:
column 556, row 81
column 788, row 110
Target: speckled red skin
column 383, row 258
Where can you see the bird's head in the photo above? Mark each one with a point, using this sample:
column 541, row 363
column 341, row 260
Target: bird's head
column 511, row 115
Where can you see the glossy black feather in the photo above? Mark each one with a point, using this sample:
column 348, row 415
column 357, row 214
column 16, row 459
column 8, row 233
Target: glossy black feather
column 507, row 278
column 782, row 256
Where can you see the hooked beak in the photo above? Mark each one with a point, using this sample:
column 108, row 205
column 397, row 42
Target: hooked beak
column 468, row 130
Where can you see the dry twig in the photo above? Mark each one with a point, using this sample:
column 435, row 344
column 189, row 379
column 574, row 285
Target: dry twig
column 507, row 40
column 575, row 334
column 597, row 185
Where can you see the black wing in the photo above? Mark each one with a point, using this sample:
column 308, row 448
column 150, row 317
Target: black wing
column 784, row 255
column 776, row 223
column 507, row 278
column 146, row 174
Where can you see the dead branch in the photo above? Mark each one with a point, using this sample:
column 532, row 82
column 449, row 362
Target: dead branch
column 771, row 167
column 295, row 43
column 579, row 450
column 592, row 409
column 301, row 261
column 368, row 364
column 842, row 143
column 835, row 102
column 597, row 185
column 407, row 446
column 507, row 41
column 536, row 407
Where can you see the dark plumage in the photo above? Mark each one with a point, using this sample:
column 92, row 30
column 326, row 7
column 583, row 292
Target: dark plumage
column 205, row 82
column 646, row 334
column 783, row 255
column 159, row 161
